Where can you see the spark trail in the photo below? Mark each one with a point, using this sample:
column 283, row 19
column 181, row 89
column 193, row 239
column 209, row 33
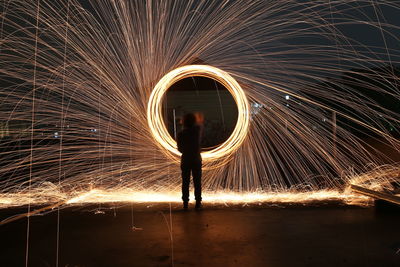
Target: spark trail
column 294, row 60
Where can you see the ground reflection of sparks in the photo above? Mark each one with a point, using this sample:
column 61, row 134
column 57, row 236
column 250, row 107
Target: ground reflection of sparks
column 104, row 196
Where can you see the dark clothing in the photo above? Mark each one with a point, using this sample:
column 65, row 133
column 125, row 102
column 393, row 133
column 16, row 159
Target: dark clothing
column 189, row 145
column 194, row 168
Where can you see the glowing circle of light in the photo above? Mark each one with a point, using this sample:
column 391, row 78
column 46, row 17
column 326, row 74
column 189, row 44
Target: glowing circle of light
column 155, row 117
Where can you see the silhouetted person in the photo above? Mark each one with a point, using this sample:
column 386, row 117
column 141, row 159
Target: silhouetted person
column 189, row 145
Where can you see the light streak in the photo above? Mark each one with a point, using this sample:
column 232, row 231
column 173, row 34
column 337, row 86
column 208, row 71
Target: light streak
column 295, row 66
column 157, row 124
column 95, row 196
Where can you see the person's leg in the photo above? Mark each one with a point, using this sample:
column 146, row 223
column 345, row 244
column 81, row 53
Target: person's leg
column 197, row 183
column 185, row 184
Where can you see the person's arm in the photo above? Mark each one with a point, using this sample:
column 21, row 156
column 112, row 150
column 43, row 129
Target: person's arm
column 179, row 142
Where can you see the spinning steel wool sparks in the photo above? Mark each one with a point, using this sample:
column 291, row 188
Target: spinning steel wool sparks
column 83, row 86
column 156, row 121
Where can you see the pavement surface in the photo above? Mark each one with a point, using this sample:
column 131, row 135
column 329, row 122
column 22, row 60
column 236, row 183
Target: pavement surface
column 251, row 235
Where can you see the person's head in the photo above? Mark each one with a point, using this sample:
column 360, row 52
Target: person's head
column 189, row 120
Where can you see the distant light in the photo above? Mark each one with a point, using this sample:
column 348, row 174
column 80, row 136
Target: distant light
column 56, row 135
column 287, row 97
column 255, row 108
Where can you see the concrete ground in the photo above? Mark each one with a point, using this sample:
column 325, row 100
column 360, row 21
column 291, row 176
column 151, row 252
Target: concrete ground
column 255, row 235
